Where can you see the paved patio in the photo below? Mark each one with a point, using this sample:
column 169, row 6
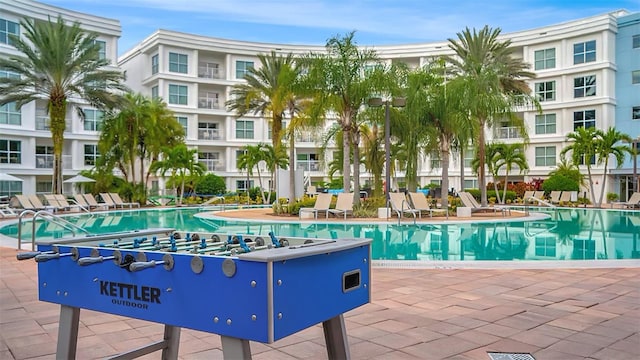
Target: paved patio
column 414, row 314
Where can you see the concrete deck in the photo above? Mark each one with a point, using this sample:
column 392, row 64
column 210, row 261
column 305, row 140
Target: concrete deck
column 414, row 314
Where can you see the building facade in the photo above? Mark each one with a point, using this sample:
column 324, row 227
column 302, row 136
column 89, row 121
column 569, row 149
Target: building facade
column 586, row 76
column 26, row 148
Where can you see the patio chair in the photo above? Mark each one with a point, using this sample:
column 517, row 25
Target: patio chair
column 64, row 203
column 554, row 197
column 7, row 211
column 93, row 203
column 633, row 202
column 312, row 191
column 344, row 205
column 526, row 198
column 52, row 202
column 565, row 198
column 469, row 201
column 420, row 203
column 118, row 200
column 401, row 206
column 323, row 202
column 106, row 198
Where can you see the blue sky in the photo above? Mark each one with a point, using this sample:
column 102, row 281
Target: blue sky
column 312, row 22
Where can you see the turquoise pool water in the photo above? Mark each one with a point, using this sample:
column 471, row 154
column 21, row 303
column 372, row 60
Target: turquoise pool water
column 567, row 234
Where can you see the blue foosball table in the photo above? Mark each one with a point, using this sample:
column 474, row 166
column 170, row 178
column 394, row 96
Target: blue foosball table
column 242, row 287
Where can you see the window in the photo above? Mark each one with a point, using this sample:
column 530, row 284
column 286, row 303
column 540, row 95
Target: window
column 44, row 157
column 208, row 131
column 93, row 119
column 470, row 183
column 154, row 64
column 183, row 120
column 211, row 160
column 242, row 68
column 9, row 74
column 545, row 246
column 435, row 160
column 244, row 129
column 584, row 52
column 636, row 41
column 239, row 155
column 546, row 156
column 10, row 152
column 545, row 59
column 8, row 27
column 241, row 185
column 178, row 63
column 635, row 77
column 44, row 187
column 91, row 154
column 635, row 113
column 154, row 92
column 469, row 155
column 102, row 52
column 546, row 124
column 10, row 115
column 10, row 188
column 584, row 86
column 307, row 162
column 178, row 94
column 546, row 91
column 585, row 119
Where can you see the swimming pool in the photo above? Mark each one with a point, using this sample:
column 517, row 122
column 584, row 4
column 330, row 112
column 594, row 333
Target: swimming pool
column 565, row 234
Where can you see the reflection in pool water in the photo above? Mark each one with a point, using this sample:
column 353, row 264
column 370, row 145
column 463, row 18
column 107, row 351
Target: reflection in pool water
column 568, row 234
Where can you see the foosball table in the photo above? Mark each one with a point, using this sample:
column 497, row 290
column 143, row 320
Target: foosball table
column 242, row 287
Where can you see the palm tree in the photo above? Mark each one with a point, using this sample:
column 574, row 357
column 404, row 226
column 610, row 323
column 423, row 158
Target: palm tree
column 583, row 149
column 276, row 158
column 492, row 157
column 250, row 158
column 58, row 62
column 510, row 155
column 607, row 147
column 373, row 159
column 341, row 84
column 570, row 170
column 182, row 163
column 136, row 132
column 495, row 82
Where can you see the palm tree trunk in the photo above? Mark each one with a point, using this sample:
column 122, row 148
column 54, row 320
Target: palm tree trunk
column 356, row 167
column 593, row 192
column 461, row 168
column 445, row 152
column 481, row 171
column 57, row 113
column 346, row 163
column 264, row 199
column 604, row 182
column 504, row 194
column 292, row 167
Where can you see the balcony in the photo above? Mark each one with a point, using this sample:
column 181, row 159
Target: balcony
column 45, row 161
column 208, row 134
column 208, row 103
column 305, row 137
column 43, row 123
column 507, row 133
column 309, row 165
column 209, row 70
column 212, row 164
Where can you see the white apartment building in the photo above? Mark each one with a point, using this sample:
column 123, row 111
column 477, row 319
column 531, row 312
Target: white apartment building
column 575, row 63
column 26, row 148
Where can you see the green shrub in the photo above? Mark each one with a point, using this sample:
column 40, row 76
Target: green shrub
column 210, row 184
column 306, row 201
column 511, row 195
column 560, row 183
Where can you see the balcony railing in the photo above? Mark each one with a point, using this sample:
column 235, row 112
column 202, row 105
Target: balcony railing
column 305, row 137
column 209, row 71
column 208, row 134
column 208, row 103
column 309, row 165
column 45, row 161
column 212, row 164
column 507, row 133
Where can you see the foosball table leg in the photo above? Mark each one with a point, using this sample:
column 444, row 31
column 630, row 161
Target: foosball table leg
column 234, row 348
column 335, row 337
column 172, row 341
column 68, row 332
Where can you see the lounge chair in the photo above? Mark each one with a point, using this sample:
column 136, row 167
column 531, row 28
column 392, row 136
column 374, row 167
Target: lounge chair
column 565, row 198
column 106, row 198
column 344, row 205
column 633, row 202
column 91, row 200
column 37, row 204
column 527, row 196
column 312, row 191
column 118, row 200
column 7, row 211
column 554, row 197
column 401, row 206
column 420, row 203
column 469, row 201
column 64, row 203
column 323, row 201
column 52, row 202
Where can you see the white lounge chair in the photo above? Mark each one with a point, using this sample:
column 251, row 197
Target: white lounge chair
column 323, row 202
column 401, row 206
column 420, row 203
column 344, row 205
column 469, row 201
